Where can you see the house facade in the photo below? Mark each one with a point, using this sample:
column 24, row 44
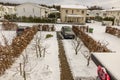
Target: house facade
column 6, row 10
column 1, row 11
column 115, row 13
column 94, row 13
column 9, row 10
column 73, row 14
column 31, row 9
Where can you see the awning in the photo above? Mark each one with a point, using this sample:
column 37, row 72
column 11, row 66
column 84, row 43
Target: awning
column 73, row 15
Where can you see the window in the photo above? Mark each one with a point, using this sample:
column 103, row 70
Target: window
column 118, row 13
column 66, row 11
column 77, row 10
column 33, row 10
column 82, row 12
column 72, row 11
column 24, row 9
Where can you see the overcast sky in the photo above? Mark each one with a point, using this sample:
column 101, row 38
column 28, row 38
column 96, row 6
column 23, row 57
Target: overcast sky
column 103, row 3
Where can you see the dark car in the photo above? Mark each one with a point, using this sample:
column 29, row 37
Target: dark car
column 20, row 29
column 67, row 32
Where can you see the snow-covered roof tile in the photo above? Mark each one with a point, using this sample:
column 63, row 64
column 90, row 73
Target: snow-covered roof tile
column 74, row 6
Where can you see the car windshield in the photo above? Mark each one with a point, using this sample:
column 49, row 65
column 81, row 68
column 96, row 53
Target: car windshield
column 68, row 29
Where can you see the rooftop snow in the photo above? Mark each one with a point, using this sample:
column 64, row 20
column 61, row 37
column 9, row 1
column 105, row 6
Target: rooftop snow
column 73, row 6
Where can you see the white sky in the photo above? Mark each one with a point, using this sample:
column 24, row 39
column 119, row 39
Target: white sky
column 103, row 3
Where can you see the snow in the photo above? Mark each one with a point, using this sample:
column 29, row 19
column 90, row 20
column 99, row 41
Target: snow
column 105, row 38
column 73, row 15
column 78, row 63
column 74, row 6
column 44, row 68
column 9, row 35
column 47, row 68
column 111, row 62
column 59, row 26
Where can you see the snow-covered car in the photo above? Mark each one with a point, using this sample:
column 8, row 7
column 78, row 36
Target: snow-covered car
column 67, row 32
column 102, row 74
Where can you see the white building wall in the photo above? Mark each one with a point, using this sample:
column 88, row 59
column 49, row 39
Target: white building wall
column 30, row 9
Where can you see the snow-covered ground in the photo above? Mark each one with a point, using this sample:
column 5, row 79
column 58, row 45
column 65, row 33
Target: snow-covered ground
column 44, row 68
column 47, row 68
column 9, row 35
column 78, row 63
column 105, row 38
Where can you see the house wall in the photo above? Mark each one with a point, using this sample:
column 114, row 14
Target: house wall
column 4, row 10
column 65, row 11
column 30, row 10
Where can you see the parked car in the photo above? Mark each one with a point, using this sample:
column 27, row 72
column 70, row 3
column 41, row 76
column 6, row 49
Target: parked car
column 102, row 73
column 67, row 32
column 20, row 29
column 88, row 21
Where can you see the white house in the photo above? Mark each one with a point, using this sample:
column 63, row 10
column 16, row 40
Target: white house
column 1, row 11
column 31, row 9
column 6, row 10
column 94, row 13
column 9, row 9
column 73, row 13
column 115, row 13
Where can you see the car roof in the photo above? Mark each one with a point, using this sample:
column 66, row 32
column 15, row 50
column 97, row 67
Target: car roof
column 66, row 26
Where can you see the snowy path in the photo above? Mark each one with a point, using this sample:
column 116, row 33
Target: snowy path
column 65, row 69
column 78, row 63
column 44, row 68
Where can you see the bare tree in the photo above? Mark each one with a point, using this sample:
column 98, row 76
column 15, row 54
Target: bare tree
column 39, row 48
column 4, row 39
column 23, row 69
column 87, row 55
column 77, row 45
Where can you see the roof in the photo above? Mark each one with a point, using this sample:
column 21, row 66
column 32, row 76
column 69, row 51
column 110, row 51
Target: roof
column 53, row 9
column 73, row 6
column 111, row 61
column 29, row 3
column 114, row 9
column 74, row 15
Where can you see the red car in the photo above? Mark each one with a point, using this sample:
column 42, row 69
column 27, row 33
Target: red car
column 102, row 74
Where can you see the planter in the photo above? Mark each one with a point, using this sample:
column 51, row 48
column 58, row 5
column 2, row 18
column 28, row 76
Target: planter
column 90, row 30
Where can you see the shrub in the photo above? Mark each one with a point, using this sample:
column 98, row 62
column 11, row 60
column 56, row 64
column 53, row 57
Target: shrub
column 49, row 36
